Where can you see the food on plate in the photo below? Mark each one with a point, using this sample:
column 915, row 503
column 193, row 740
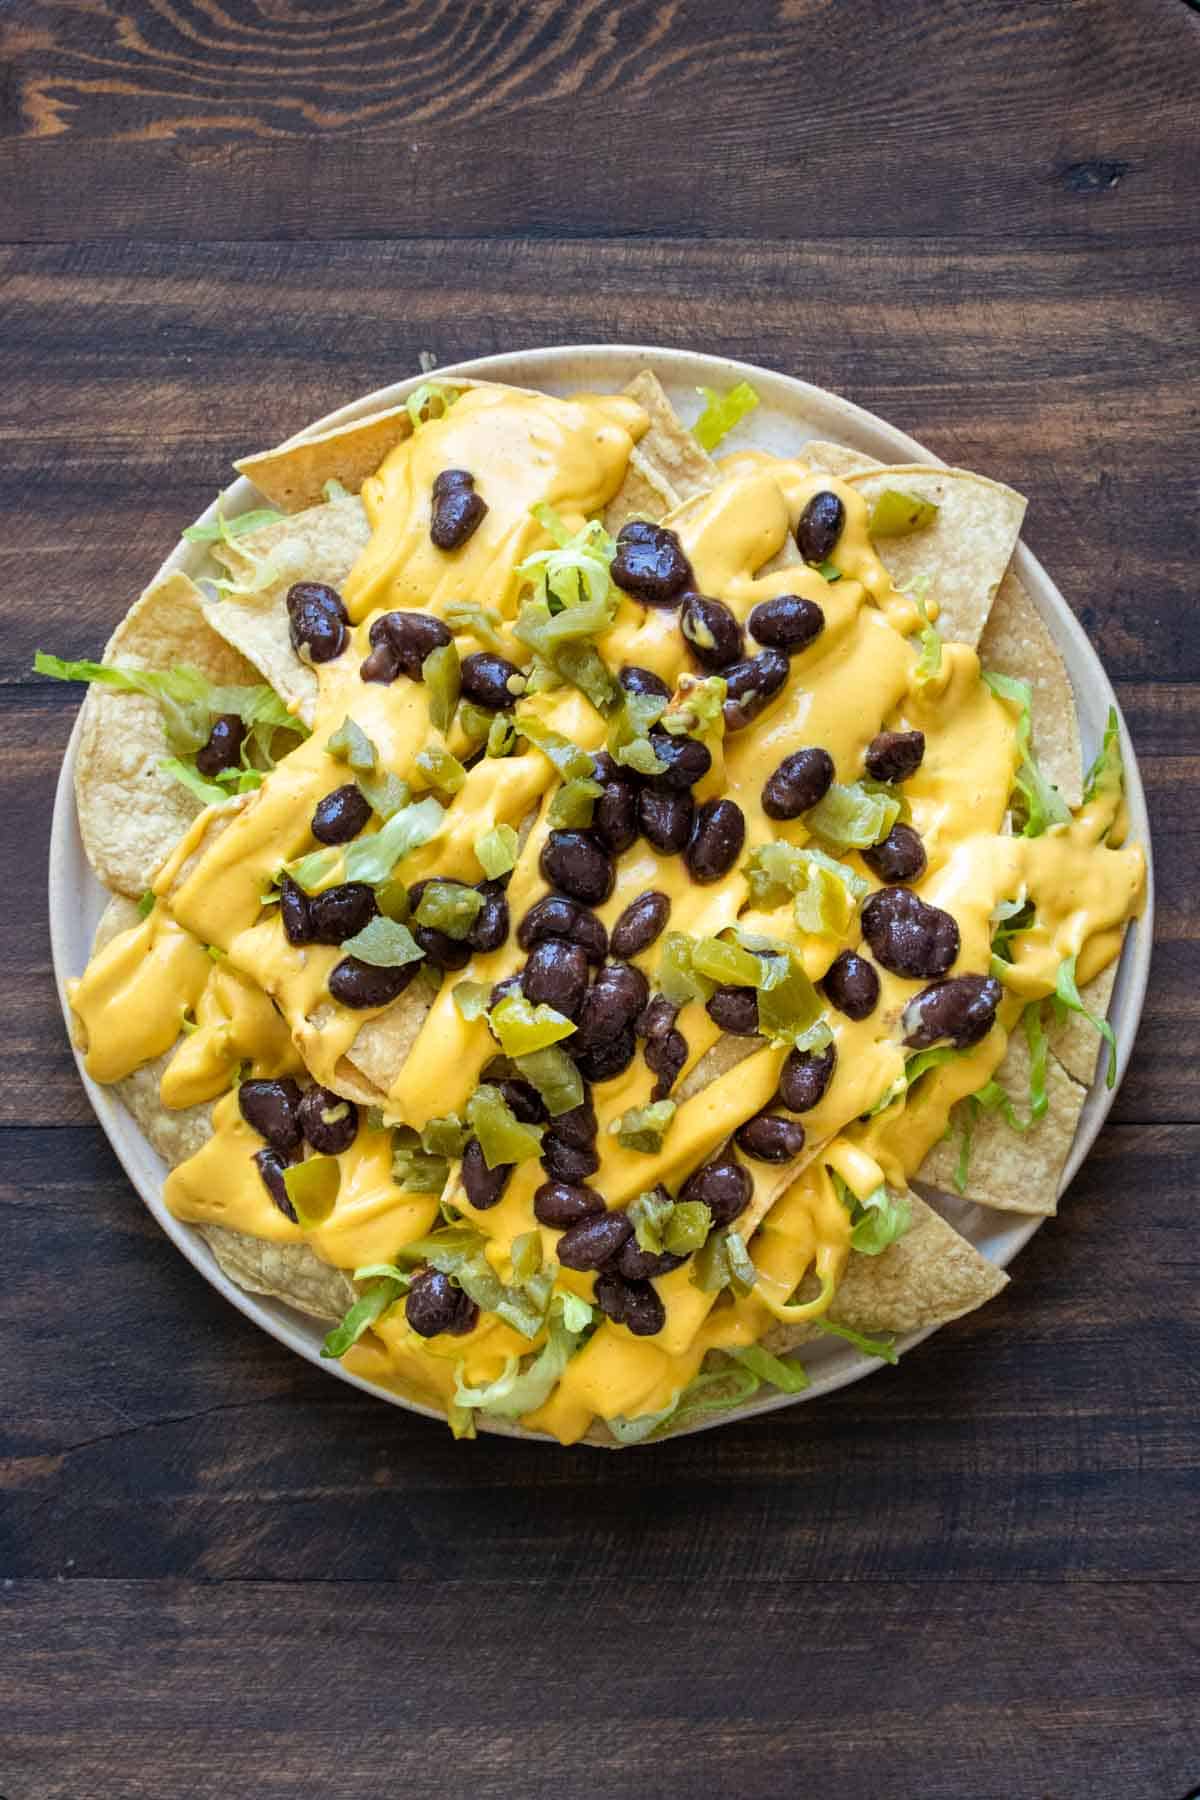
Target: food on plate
column 567, row 889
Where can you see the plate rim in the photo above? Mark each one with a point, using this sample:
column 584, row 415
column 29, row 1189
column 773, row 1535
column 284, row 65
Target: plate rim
column 837, row 1365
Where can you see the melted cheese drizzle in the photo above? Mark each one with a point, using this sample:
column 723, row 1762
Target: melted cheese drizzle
column 253, row 999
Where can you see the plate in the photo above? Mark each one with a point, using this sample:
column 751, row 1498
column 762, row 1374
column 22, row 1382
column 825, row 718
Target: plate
column 789, row 412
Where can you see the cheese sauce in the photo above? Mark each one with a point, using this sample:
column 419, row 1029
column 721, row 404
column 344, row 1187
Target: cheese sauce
column 211, row 971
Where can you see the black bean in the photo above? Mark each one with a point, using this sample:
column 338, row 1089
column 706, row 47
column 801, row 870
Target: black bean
column 688, row 760
column 895, row 755
column 594, row 1242
column 734, row 1009
column 502, row 989
column 272, row 1108
column 800, row 781
column 789, row 622
column 900, row 857
column 435, row 1305
column 963, row 1010
column 491, row 921
column 556, row 975
column 603, row 1062
column 650, row 564
column 329, row 1123
column 270, row 1166
column 633, row 1304
column 318, row 623
column 820, row 526
column 771, row 1138
column 559, row 1204
column 457, row 511
column 724, row 1186
column 341, row 815
column 712, row 632
column 643, row 920
column 400, row 642
column 907, row 935
column 295, row 912
column 579, row 865
column 577, row 1126
column 645, row 1314
column 440, row 950
column 615, row 816
column 224, row 746
column 805, row 1076
column 485, row 679
column 572, row 1163
column 361, row 984
column 750, row 684
column 636, row 680
column 665, row 1056
column 666, row 819
column 340, row 912
column 484, row 1186
column 613, row 1002
column 657, row 1018
column 556, row 916
column 717, row 840
column 636, row 1264
column 524, row 1101
column 852, row 985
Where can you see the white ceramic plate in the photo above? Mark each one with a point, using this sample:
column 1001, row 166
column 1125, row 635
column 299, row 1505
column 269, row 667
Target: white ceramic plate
column 789, row 412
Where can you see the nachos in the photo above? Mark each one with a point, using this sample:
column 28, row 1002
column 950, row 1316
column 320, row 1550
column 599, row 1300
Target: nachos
column 570, row 893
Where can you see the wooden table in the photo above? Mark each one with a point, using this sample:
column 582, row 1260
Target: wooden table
column 225, row 1574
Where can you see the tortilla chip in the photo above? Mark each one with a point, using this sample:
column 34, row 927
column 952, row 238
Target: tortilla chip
column 964, row 553
column 666, row 467
column 928, row 1277
column 131, row 814
column 293, row 475
column 383, row 1044
column 287, row 1272
column 319, row 544
column 724, row 1055
column 1016, row 641
column 1011, row 1170
column 1075, row 1043
column 836, row 459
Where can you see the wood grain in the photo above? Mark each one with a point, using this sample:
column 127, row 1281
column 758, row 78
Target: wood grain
column 223, row 1573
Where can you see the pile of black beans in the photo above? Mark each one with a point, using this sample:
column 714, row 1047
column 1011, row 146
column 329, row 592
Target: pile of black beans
column 288, row 1118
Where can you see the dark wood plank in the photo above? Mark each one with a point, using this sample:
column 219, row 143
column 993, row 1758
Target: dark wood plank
column 131, row 375
column 1050, row 1436
column 324, row 1689
column 1046, row 121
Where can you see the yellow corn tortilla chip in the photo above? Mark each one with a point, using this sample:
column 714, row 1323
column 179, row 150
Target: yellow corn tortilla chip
column 130, row 813
column 320, row 544
column 928, row 1277
column 964, row 553
column 836, row 459
column 666, row 467
column 1076, row 1044
column 1016, row 641
column 287, row 1272
column 294, row 473
column 1010, row 1170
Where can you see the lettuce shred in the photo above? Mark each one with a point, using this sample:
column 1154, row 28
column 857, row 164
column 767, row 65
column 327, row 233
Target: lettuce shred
column 1040, row 802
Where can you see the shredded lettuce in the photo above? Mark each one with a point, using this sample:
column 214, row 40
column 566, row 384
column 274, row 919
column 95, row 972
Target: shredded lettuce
column 883, row 1348
column 715, row 1392
column 145, row 905
column 1066, row 994
column 576, row 571
column 372, row 859
column 430, row 401
column 962, row 1170
column 1107, row 773
column 929, row 662
column 187, row 699
column 223, row 530
column 384, row 944
column 877, row 1220
column 480, row 621
column 373, row 1304
column 1039, row 1049
column 518, row 1391
column 788, row 1376
column 209, row 793
column 722, row 412
column 1041, row 803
